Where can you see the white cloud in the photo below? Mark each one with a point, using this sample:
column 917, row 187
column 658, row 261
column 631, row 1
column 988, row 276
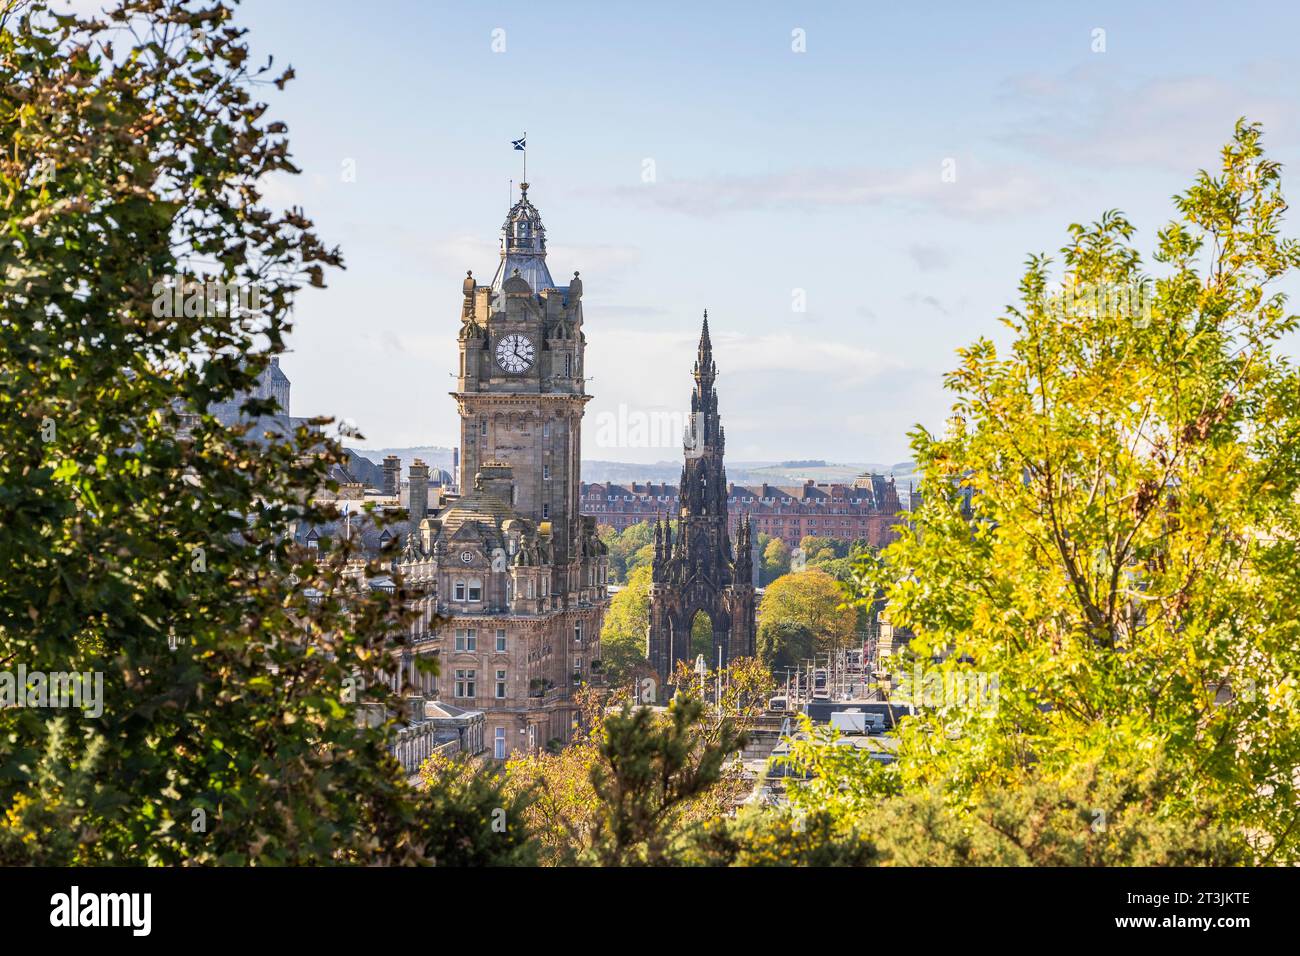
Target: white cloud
column 1094, row 116
column 652, row 369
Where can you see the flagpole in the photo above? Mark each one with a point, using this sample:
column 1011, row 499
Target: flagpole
column 525, row 152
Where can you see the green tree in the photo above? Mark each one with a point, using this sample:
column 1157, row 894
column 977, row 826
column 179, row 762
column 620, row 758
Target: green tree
column 481, row 822
column 811, row 600
column 576, row 803
column 819, row 549
column 653, row 767
column 702, row 638
column 1099, row 820
column 785, row 644
column 141, row 540
column 776, row 560
column 626, row 548
column 623, row 633
column 643, row 557
column 1110, row 524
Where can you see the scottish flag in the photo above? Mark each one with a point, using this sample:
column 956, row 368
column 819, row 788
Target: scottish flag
column 519, row 143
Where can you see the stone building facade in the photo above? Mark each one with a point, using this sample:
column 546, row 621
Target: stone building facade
column 515, row 574
column 694, row 568
column 867, row 509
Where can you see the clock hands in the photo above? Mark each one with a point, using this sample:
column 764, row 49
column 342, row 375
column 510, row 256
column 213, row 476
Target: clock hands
column 518, row 348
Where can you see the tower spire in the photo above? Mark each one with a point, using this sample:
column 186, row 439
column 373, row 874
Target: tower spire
column 701, row 571
column 704, row 358
column 705, row 430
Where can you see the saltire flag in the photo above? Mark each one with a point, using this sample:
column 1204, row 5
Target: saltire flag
column 519, row 143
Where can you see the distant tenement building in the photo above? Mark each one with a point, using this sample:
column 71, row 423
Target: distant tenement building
column 867, row 509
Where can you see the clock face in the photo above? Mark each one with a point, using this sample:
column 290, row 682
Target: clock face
column 515, row 353
column 467, row 557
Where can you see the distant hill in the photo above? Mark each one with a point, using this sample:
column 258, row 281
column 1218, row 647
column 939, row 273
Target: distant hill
column 368, row 464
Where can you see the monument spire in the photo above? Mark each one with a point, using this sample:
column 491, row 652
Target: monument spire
column 698, row 571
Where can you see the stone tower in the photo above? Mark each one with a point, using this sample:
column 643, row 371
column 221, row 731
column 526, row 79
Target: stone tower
column 695, row 568
column 513, row 578
column 520, row 390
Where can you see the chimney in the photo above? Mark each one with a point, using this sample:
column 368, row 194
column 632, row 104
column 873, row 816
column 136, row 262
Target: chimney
column 419, row 493
column 496, row 478
column 392, row 475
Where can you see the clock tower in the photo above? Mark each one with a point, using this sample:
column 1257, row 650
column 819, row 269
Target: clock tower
column 520, row 389
column 513, row 577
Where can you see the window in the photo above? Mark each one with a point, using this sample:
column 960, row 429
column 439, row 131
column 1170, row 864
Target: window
column 568, row 364
column 577, row 631
column 530, row 587
column 501, row 685
column 546, row 429
column 546, row 511
column 546, row 586
column 476, row 590
column 499, row 744
column 546, row 472
column 510, row 590
column 465, row 683
column 482, row 426
column 501, row 640
column 458, row 591
column 466, row 639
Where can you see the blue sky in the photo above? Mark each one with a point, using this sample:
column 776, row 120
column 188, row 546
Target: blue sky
column 775, row 171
